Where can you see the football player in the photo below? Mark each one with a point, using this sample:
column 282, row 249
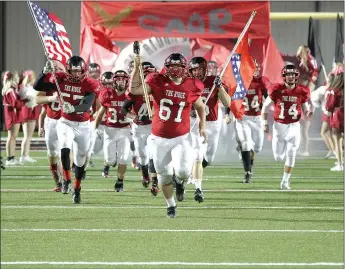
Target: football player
column 289, row 98
column 249, row 130
column 141, row 129
column 73, row 128
column 48, row 120
column 117, row 127
column 173, row 96
column 197, row 69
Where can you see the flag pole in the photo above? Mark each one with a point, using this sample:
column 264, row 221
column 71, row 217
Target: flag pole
column 45, row 50
column 239, row 39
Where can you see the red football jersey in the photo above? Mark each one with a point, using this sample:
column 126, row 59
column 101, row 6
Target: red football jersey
column 113, row 104
column 211, row 106
column 74, row 93
column 288, row 102
column 253, row 100
column 140, row 107
column 53, row 109
column 172, row 104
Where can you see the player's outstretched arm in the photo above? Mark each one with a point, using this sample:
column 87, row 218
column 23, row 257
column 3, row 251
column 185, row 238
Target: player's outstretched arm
column 268, row 102
column 200, row 109
column 41, row 122
column 42, row 98
column 224, row 97
column 135, row 84
column 99, row 116
column 126, row 109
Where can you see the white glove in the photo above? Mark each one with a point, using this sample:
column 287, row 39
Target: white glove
column 54, row 97
column 49, row 67
column 67, row 108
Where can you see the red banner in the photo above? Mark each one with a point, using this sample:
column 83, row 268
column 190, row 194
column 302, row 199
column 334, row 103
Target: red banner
column 130, row 21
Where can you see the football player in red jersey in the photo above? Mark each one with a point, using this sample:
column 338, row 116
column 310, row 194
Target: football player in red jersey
column 249, row 130
column 73, row 128
column 97, row 138
column 173, row 96
column 141, row 129
column 47, row 126
column 205, row 155
column 289, row 98
column 94, row 71
column 117, row 127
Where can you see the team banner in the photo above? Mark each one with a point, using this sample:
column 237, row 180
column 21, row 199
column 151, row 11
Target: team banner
column 129, row 21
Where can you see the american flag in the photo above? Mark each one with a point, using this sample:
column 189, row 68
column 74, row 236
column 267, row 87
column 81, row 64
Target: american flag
column 53, row 33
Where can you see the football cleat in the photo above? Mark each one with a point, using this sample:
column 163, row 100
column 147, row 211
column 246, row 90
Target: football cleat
column 180, row 191
column 76, row 196
column 119, row 186
column 65, row 186
column 58, row 187
column 284, row 185
column 105, row 172
column 337, row 168
column 198, row 195
column 154, row 187
column 247, row 177
column 171, row 212
column 145, row 181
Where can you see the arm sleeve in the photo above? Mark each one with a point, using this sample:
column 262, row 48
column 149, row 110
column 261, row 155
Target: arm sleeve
column 126, row 107
column 42, row 86
column 87, row 103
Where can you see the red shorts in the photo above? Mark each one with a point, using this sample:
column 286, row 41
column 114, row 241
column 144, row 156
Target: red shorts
column 325, row 118
column 337, row 121
column 12, row 116
column 29, row 114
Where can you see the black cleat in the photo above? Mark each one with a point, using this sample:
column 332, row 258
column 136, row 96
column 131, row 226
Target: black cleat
column 65, row 186
column 171, row 212
column 119, row 186
column 198, row 196
column 145, row 181
column 76, row 196
column 154, row 187
column 247, row 177
column 180, row 191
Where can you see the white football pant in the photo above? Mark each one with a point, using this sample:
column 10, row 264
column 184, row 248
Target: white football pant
column 177, row 151
column 285, row 142
column 196, row 139
column 250, row 132
column 116, row 145
column 51, row 137
column 97, row 140
column 213, row 132
column 75, row 135
column 140, row 135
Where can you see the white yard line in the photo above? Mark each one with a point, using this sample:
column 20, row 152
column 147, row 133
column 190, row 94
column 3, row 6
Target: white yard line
column 171, row 231
column 263, row 264
column 163, row 207
column 93, row 176
column 204, row 190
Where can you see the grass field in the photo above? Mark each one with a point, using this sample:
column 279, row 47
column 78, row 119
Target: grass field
column 238, row 226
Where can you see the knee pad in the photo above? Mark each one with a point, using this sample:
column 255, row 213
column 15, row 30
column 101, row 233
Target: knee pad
column 52, row 153
column 152, row 167
column 164, row 179
column 245, row 145
column 290, row 161
column 279, row 158
column 79, row 172
column 132, row 146
column 65, row 160
column 198, row 155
